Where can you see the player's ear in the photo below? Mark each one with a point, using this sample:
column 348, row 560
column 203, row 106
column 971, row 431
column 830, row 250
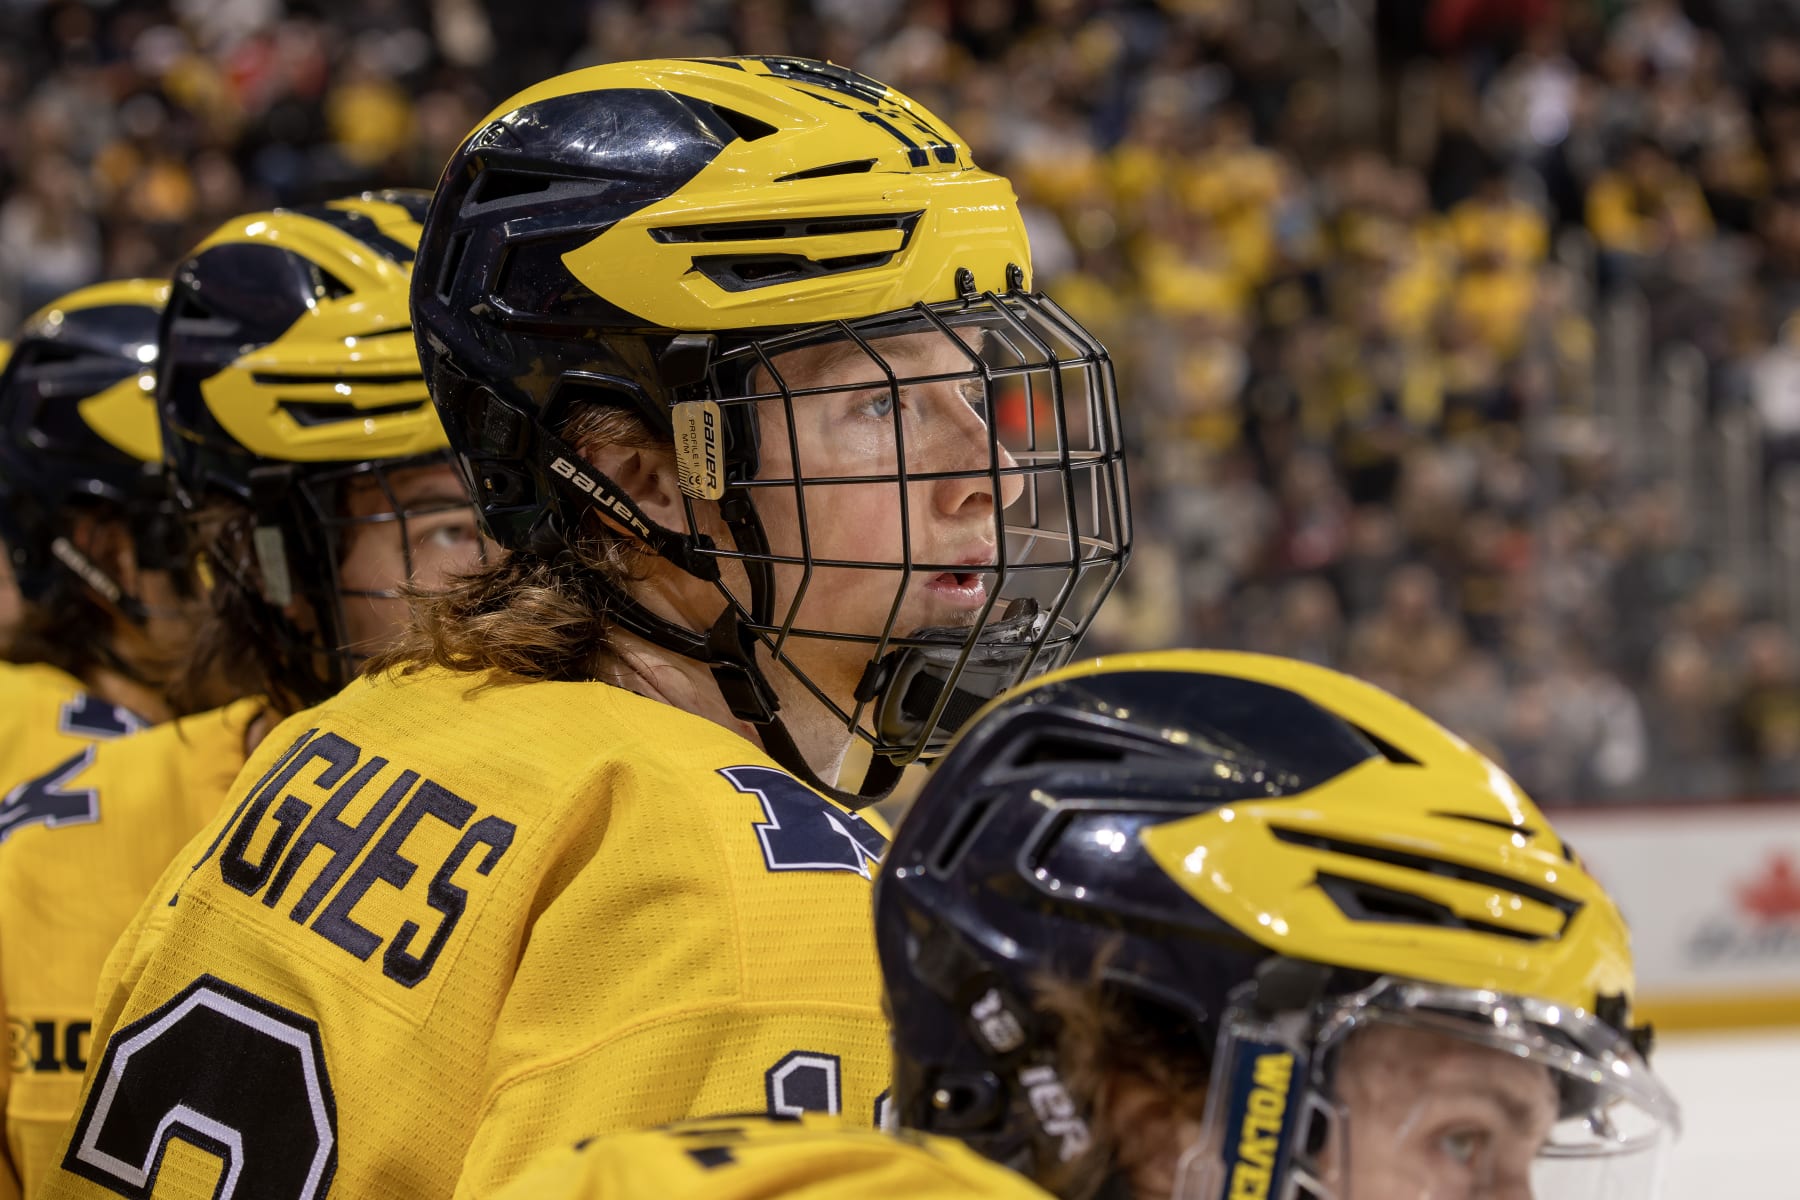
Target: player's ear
column 648, row 476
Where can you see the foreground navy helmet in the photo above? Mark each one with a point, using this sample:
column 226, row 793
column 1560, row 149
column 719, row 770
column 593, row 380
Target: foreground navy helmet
column 1246, row 857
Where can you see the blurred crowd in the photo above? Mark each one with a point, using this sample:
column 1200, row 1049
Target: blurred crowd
column 1352, row 260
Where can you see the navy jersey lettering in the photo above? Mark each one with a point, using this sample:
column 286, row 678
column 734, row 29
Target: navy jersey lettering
column 49, row 800
column 801, row 831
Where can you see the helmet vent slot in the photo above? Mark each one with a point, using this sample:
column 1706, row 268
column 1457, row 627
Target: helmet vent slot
column 1429, row 866
column 329, row 286
column 859, row 166
column 1522, row 830
column 1363, row 901
column 453, row 257
column 1387, row 749
column 961, row 833
column 1062, row 748
column 754, row 231
column 507, row 185
column 311, row 414
column 743, row 273
column 743, row 124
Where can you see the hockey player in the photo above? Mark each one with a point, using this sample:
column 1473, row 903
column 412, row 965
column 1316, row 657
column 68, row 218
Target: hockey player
column 1214, row 926
column 1211, row 925
column 306, row 450
column 103, row 616
column 741, row 360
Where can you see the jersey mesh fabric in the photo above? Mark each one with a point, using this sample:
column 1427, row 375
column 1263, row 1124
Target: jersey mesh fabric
column 624, row 948
column 48, row 722
column 813, row 1158
column 68, row 891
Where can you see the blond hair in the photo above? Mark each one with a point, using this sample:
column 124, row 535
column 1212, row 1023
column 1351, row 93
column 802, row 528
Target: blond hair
column 1105, row 1036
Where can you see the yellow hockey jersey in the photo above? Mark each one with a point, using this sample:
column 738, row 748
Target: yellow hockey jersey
column 751, row 1158
column 67, row 892
column 449, row 922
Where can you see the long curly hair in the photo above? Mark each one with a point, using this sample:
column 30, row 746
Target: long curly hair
column 529, row 615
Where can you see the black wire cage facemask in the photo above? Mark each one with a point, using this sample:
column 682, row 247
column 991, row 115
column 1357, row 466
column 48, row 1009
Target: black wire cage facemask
column 991, row 423
column 312, row 534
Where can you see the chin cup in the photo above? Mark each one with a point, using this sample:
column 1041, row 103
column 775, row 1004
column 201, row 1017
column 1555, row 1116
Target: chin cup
column 905, row 684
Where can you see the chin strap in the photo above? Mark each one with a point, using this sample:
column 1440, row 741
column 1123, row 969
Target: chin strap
column 728, row 648
column 731, row 654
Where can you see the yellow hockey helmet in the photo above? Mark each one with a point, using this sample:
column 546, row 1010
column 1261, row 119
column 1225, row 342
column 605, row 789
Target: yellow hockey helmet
column 289, row 375
column 667, row 237
column 288, row 341
column 1206, row 833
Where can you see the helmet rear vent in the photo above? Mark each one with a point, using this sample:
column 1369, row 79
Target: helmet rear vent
column 1363, row 901
column 1522, row 830
column 754, row 231
column 459, row 243
column 1056, row 748
column 859, row 166
column 311, row 413
column 949, row 849
column 1429, row 866
column 743, row 124
column 743, row 273
column 506, row 185
column 1387, row 749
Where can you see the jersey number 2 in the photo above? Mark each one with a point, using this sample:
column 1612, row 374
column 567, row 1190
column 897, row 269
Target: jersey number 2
column 225, row 1070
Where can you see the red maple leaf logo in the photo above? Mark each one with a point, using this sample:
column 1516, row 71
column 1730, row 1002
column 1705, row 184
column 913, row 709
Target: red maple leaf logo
column 1775, row 896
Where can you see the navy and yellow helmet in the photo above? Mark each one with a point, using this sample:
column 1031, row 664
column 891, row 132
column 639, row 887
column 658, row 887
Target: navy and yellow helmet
column 288, row 342
column 649, row 235
column 290, row 373
column 1166, row 825
column 77, row 423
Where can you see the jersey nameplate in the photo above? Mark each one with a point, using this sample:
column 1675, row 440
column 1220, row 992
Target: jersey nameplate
column 294, row 849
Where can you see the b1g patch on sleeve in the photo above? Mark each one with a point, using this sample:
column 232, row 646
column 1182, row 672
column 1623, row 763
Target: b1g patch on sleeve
column 801, row 830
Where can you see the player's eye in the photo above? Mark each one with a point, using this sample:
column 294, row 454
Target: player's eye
column 1464, row 1146
column 875, row 404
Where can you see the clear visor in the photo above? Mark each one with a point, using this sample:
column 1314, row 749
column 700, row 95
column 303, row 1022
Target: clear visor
column 1410, row 1091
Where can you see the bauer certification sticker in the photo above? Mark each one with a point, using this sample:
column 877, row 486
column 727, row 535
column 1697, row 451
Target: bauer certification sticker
column 699, row 458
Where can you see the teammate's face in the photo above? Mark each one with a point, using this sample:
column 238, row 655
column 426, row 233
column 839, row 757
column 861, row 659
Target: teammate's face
column 1431, row 1117
column 850, row 433
column 11, row 604
column 438, row 538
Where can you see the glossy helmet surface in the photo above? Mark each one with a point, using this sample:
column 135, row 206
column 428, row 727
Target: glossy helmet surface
column 291, row 373
column 77, row 424
column 651, row 235
column 1185, row 817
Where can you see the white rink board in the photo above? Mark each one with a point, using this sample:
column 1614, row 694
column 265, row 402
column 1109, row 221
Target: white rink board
column 1712, row 895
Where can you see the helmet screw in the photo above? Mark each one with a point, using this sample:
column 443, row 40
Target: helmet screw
column 965, row 281
column 1015, row 277
column 942, row 1099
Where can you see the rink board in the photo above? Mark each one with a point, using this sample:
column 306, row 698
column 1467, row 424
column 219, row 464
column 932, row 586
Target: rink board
column 1712, row 894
